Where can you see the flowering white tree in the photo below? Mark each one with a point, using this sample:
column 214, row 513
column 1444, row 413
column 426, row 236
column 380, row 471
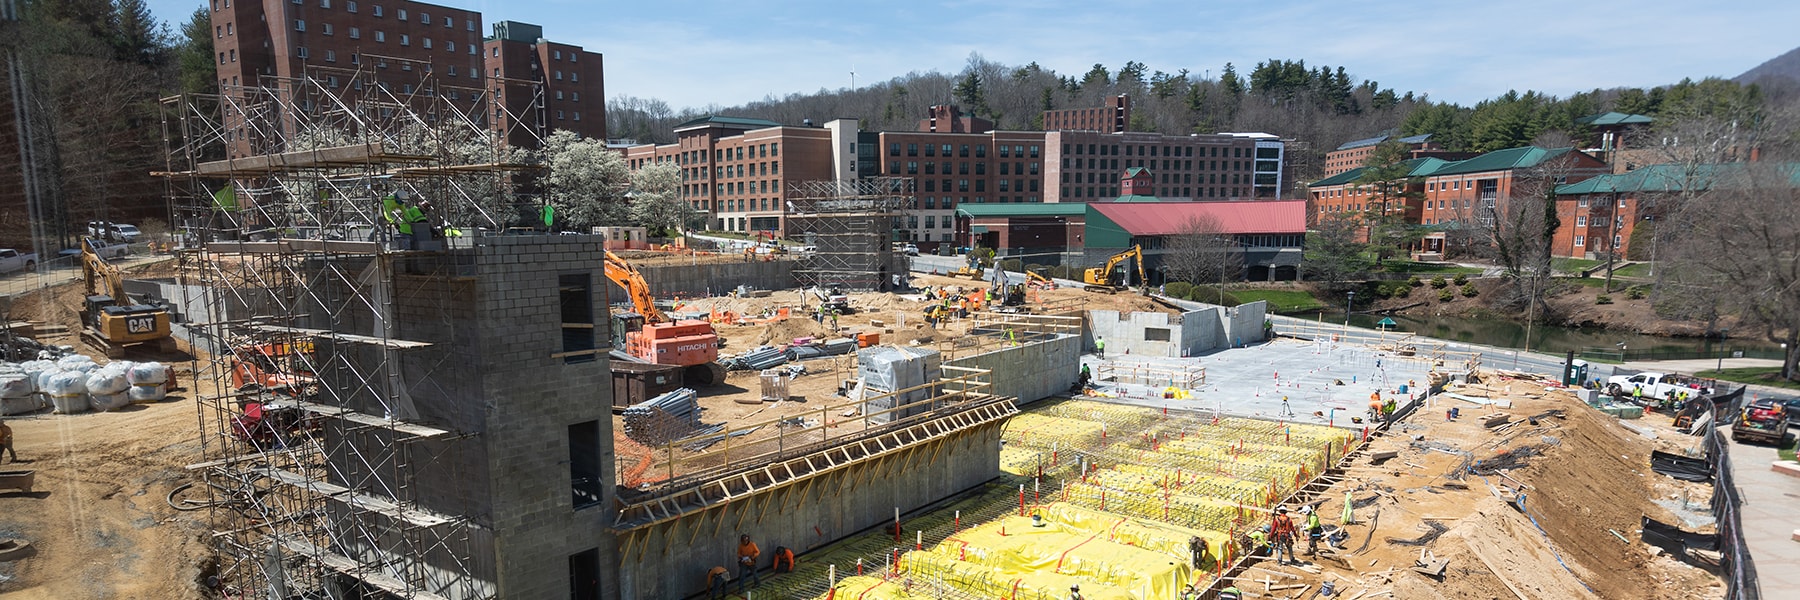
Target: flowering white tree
column 586, row 181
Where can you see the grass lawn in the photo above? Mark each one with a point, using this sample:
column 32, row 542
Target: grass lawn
column 1769, row 376
column 1281, row 300
column 1787, row 449
column 1405, row 266
column 1573, row 264
column 1585, row 281
column 1640, row 270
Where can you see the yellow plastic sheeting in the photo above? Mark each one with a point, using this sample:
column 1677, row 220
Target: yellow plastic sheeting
column 1191, row 511
column 1181, row 477
column 862, row 587
column 987, row 581
column 1223, row 488
column 1164, row 538
column 1043, row 431
column 1058, row 548
column 1117, row 415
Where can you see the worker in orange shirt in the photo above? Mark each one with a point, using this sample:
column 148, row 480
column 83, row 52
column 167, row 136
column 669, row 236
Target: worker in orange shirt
column 747, row 554
column 716, row 580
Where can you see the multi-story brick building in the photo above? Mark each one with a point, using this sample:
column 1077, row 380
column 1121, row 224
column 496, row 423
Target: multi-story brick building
column 947, row 118
column 1468, row 192
column 1084, row 166
column 1115, row 117
column 541, row 83
column 1002, row 167
column 739, row 170
column 428, row 56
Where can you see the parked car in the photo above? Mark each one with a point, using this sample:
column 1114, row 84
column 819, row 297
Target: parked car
column 11, row 260
column 114, row 232
column 910, row 249
column 1793, row 410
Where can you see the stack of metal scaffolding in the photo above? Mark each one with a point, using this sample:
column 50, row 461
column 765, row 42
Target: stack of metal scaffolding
column 325, row 478
column 850, row 223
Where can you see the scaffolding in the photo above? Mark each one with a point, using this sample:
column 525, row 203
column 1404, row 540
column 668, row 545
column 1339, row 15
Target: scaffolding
column 328, row 469
column 850, row 224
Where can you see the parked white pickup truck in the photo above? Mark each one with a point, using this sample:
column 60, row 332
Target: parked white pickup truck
column 11, row 260
column 1656, row 385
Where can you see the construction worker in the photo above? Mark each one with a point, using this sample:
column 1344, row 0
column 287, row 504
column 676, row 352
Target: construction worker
column 716, row 580
column 393, row 210
column 1230, row 593
column 1314, row 529
column 1197, row 547
column 1075, row 592
column 6, row 441
column 747, row 554
column 1189, row 593
column 418, row 219
column 1387, row 409
column 1100, row 346
column 1375, row 405
column 1259, row 540
column 784, row 560
column 1282, row 529
column 1086, row 376
column 834, row 317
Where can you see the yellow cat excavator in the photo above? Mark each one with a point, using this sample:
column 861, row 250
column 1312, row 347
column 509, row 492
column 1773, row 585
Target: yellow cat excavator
column 1101, row 279
column 110, row 319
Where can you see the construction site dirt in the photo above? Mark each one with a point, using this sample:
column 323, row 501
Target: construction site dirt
column 102, row 528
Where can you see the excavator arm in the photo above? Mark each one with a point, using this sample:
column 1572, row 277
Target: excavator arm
column 102, row 277
column 622, row 273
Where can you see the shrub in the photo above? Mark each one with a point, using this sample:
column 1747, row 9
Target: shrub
column 1178, row 289
column 1603, row 299
column 1445, row 295
column 1439, row 283
column 1462, row 279
column 1402, row 291
column 1414, row 281
column 1012, row 264
column 1212, row 295
column 1636, row 293
column 1468, row 290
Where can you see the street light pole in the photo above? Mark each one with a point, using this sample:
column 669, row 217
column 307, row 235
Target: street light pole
column 1349, row 301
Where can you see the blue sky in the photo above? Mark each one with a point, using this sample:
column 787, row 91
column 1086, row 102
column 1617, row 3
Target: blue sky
column 692, row 54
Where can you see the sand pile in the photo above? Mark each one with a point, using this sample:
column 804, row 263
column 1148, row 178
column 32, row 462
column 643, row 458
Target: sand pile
column 785, row 331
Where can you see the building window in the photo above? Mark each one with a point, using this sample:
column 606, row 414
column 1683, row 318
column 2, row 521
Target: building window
column 575, row 96
column 324, row 3
column 355, row 33
column 350, row 6
column 299, row 25
column 331, row 56
column 405, row 40
column 577, row 303
column 1581, row 240
column 578, row 115
column 559, row 115
column 469, row 24
column 233, row 54
column 426, row 42
column 380, row 36
column 584, row 462
column 376, row 10
column 300, row 52
column 401, row 14
column 449, row 23
column 556, row 55
column 424, row 17
column 573, row 76
column 1581, row 221
column 559, row 75
column 325, row 28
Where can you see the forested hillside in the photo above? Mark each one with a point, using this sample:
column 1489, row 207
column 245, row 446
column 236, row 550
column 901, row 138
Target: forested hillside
column 1319, row 106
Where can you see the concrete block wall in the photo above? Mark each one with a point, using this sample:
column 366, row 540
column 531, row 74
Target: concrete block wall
column 674, row 562
column 717, row 279
column 1029, row 372
column 530, row 399
column 1201, row 330
column 1244, row 322
column 1129, row 333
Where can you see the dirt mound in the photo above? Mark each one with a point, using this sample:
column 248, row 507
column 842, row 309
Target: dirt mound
column 785, row 331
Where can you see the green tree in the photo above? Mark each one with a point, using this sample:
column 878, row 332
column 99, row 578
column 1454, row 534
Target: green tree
column 1229, row 80
column 194, row 56
column 970, row 92
column 1097, row 77
column 1332, row 250
column 1391, row 191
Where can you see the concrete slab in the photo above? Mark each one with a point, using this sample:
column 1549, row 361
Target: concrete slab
column 1769, row 519
column 1254, row 381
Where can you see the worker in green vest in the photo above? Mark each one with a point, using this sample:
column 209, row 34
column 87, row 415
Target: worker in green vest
column 394, row 210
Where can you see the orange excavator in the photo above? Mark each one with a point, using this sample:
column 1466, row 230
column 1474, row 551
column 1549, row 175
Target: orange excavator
column 651, row 336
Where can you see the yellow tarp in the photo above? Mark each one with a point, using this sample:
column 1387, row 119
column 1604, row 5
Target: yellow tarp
column 1061, row 548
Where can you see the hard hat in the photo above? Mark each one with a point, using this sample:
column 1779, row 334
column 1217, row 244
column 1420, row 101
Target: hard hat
column 1075, row 586
column 1281, row 510
column 1306, row 510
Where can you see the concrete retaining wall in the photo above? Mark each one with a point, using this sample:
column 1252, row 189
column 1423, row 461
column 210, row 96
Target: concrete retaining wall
column 1188, row 334
column 717, row 279
column 675, row 561
column 1030, row 372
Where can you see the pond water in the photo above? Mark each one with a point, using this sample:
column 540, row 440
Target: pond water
column 1547, row 339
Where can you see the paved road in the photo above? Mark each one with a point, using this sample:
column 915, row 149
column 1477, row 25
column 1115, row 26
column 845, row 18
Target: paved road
column 1769, row 518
